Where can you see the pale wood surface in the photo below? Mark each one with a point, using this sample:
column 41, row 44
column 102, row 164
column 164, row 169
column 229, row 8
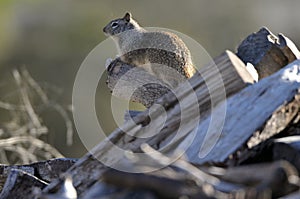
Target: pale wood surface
column 246, row 113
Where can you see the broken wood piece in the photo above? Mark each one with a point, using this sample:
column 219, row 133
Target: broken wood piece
column 210, row 86
column 276, row 178
column 284, row 122
column 254, row 180
column 293, row 128
column 165, row 187
column 134, row 83
column 20, row 184
column 66, row 191
column 266, row 52
column 45, row 170
column 103, row 190
column 287, row 148
column 247, row 112
column 279, row 120
column 288, row 48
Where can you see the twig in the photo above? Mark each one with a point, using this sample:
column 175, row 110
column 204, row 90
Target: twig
column 45, row 100
column 29, row 109
column 11, row 107
column 34, row 141
column 68, row 122
column 35, row 85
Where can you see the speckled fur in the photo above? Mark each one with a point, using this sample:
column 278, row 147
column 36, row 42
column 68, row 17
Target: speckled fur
column 139, row 47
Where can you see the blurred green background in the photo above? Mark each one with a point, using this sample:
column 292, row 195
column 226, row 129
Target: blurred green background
column 51, row 38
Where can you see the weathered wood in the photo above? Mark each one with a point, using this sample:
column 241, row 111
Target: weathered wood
column 266, row 52
column 287, row 148
column 247, row 112
column 167, row 182
column 163, row 186
column 135, row 83
column 65, row 191
column 284, row 122
column 288, row 48
column 270, row 180
column 293, row 128
column 17, row 177
column 226, row 76
column 100, row 189
column 279, row 120
column 21, row 184
column 254, row 181
column 45, row 170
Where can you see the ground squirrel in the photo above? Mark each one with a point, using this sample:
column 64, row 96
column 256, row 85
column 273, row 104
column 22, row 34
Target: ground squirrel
column 139, row 47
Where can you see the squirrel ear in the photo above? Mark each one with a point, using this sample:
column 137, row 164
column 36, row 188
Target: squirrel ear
column 127, row 16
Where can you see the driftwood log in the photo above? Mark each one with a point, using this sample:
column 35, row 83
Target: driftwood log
column 195, row 141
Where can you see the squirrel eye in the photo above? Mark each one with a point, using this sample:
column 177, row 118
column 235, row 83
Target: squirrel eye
column 114, row 25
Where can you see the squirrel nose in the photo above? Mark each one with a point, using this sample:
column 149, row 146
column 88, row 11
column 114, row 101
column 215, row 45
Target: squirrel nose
column 104, row 29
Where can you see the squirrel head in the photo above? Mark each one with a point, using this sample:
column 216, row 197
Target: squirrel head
column 119, row 25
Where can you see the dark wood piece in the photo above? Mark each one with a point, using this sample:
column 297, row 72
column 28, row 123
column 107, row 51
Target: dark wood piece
column 266, row 52
column 20, row 184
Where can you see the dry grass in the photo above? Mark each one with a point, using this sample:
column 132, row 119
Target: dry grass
column 22, row 138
